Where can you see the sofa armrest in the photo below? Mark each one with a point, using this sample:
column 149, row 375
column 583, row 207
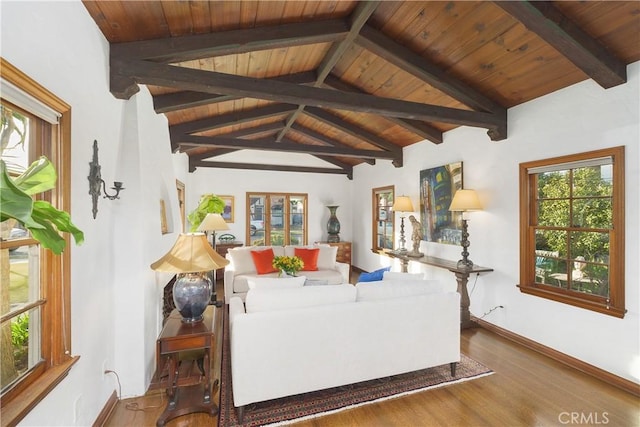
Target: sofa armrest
column 236, row 308
column 229, row 276
column 344, row 270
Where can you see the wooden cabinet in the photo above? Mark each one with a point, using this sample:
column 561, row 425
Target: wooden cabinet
column 222, row 248
column 344, row 251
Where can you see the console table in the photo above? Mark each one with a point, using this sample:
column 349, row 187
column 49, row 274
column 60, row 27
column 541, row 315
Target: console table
column 462, row 277
column 184, row 360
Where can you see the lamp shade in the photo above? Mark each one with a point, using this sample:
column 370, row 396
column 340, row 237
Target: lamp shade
column 402, row 204
column 191, row 253
column 465, row 200
column 213, row 222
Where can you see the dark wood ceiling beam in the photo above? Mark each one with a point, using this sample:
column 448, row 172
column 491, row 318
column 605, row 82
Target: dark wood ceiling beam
column 270, row 145
column 342, row 165
column 233, row 118
column 215, row 153
column 544, row 19
column 144, row 72
column 357, row 19
column 356, row 132
column 324, row 139
column 278, row 168
column 423, row 129
column 252, row 131
column 418, row 66
column 189, row 99
column 187, row 48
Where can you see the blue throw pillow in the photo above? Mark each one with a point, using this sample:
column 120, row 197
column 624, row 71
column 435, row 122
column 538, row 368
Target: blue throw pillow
column 373, row 276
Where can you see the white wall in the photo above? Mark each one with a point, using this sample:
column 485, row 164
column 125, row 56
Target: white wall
column 115, row 296
column 322, row 190
column 581, row 118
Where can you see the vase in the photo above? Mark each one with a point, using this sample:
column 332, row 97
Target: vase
column 191, row 295
column 333, row 225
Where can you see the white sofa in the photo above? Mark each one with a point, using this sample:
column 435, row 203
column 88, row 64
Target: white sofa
column 241, row 268
column 290, row 341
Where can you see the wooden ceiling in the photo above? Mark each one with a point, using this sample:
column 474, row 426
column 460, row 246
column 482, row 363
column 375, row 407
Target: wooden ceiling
column 351, row 82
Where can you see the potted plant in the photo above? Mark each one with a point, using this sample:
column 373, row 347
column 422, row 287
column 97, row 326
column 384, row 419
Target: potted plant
column 209, row 203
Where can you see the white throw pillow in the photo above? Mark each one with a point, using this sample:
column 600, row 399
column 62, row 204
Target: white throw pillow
column 241, row 260
column 308, row 296
column 394, row 275
column 386, row 289
column 271, row 283
column 326, row 256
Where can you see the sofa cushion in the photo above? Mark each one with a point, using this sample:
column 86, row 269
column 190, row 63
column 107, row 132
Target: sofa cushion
column 373, row 275
column 395, row 275
column 309, row 257
column 242, row 261
column 276, row 282
column 326, row 255
column 388, row 289
column 308, row 296
column 263, row 261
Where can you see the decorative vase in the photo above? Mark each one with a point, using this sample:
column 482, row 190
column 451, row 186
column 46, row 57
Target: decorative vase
column 191, row 294
column 333, row 225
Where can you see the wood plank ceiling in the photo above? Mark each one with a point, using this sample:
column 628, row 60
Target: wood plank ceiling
column 351, row 82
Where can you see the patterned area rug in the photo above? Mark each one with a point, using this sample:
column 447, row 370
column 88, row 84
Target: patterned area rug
column 309, row 405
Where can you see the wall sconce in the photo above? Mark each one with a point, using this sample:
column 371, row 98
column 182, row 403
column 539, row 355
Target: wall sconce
column 96, row 181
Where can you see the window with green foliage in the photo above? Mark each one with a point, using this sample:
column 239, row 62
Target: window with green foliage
column 276, row 219
column 572, row 230
column 383, row 223
column 35, row 283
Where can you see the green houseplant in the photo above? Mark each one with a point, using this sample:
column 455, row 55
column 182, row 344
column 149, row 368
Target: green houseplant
column 209, row 203
column 44, row 221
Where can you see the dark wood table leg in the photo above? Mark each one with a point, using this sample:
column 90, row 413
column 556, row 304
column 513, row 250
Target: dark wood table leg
column 465, row 316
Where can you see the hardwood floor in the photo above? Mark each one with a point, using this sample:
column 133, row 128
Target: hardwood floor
column 527, row 389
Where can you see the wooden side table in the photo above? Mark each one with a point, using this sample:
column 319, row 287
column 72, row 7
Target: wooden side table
column 184, row 360
column 462, row 277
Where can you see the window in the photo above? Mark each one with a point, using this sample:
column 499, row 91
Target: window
column 383, row 223
column 572, row 230
column 276, row 219
column 34, row 308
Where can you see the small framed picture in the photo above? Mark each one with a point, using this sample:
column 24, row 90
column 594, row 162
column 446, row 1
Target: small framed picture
column 164, row 227
column 227, row 214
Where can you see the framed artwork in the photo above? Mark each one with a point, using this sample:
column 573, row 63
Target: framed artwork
column 164, row 227
column 437, row 187
column 227, row 214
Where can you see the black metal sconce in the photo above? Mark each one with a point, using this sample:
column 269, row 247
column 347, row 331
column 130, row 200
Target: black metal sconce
column 96, row 181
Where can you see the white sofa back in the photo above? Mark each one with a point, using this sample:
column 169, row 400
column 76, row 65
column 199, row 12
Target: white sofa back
column 292, row 350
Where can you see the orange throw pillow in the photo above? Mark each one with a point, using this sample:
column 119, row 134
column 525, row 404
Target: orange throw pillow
column 263, row 261
column 309, row 257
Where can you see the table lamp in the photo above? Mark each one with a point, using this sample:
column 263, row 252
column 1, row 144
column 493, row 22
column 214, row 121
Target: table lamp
column 402, row 204
column 191, row 257
column 465, row 201
column 213, row 222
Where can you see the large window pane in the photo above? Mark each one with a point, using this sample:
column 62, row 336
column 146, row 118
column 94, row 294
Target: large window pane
column 572, row 225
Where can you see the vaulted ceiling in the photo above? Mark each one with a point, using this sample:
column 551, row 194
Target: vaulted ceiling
column 351, row 82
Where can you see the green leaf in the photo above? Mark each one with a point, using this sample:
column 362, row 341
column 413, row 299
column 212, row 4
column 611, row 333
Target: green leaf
column 14, row 203
column 48, row 236
column 62, row 220
column 40, row 176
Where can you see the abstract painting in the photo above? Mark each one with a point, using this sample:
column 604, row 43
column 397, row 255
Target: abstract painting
column 437, row 187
